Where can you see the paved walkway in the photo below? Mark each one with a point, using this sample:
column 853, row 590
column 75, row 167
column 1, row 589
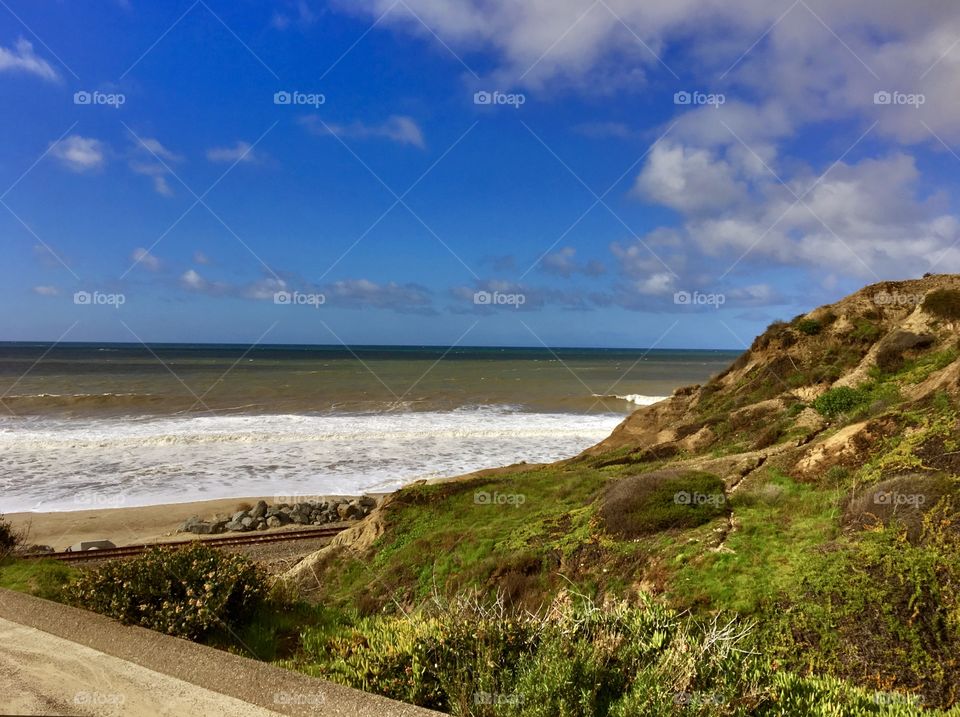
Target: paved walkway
column 58, row 660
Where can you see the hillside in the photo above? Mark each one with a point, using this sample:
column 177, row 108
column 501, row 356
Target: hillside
column 809, row 490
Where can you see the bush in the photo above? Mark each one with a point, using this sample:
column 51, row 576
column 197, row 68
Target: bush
column 810, row 327
column 661, row 500
column 188, row 592
column 943, row 303
column 842, row 399
column 575, row 658
column 902, row 502
column 10, row 538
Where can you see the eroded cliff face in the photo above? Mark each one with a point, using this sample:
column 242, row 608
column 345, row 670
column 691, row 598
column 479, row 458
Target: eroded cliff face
column 891, row 342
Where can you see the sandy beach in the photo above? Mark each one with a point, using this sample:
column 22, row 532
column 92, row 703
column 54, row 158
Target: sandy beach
column 123, row 526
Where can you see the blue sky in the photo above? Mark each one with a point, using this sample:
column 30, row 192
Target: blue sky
column 584, row 200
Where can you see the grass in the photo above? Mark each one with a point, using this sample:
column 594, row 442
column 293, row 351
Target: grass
column 780, row 525
column 44, row 578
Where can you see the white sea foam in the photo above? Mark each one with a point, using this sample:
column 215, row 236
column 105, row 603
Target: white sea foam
column 637, row 398
column 67, row 464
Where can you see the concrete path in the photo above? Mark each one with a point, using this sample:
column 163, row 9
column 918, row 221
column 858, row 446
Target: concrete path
column 58, row 660
column 43, row 674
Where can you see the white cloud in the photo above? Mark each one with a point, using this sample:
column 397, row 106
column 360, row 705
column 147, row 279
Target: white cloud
column 240, row 152
column 46, row 290
column 22, row 58
column 365, row 293
column 79, row 154
column 190, row 279
column 868, row 218
column 563, row 263
column 151, row 158
column 812, row 60
column 397, row 128
column 200, row 258
column 145, row 259
column 155, row 147
column 299, row 12
column 688, row 180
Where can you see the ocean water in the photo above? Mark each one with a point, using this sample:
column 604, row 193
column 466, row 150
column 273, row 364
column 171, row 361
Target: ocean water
column 85, row 425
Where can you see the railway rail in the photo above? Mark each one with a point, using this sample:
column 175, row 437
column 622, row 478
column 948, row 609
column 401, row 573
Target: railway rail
column 129, row 551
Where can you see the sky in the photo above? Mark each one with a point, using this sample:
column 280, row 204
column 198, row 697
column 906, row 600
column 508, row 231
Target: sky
column 611, row 173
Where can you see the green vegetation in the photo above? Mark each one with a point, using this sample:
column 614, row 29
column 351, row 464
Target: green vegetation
column 839, row 400
column 189, row 592
column 690, row 573
column 663, row 500
column 943, row 303
column 44, row 578
column 810, row 327
column 10, row 539
column 474, row 657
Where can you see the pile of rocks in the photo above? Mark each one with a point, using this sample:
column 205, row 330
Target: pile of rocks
column 262, row 516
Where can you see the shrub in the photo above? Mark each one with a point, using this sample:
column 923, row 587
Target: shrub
column 10, row 538
column 943, row 303
column 841, row 399
column 810, row 327
column 865, row 330
column 661, row 500
column 576, row 658
column 187, row 592
column 902, row 502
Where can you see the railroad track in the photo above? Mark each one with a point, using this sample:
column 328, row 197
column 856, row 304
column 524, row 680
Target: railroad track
column 128, row 551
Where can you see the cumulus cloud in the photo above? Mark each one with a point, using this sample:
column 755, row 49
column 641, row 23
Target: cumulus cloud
column 689, row 179
column 240, row 152
column 190, row 279
column 145, row 259
column 396, row 128
column 363, row 293
column 151, row 158
column 22, row 58
column 563, row 263
column 79, row 154
column 811, row 60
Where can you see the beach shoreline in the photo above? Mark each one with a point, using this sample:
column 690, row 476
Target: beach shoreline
column 125, row 525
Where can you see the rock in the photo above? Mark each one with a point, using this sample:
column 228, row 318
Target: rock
column 349, row 511
column 239, row 515
column 194, row 524
column 218, row 526
column 273, row 522
column 247, row 523
column 259, row 510
column 367, row 501
column 261, row 524
column 233, row 526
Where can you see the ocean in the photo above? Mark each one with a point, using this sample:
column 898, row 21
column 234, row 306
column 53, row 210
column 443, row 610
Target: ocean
column 111, row 425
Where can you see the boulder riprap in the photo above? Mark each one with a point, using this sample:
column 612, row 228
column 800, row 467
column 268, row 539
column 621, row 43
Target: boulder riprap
column 263, row 516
